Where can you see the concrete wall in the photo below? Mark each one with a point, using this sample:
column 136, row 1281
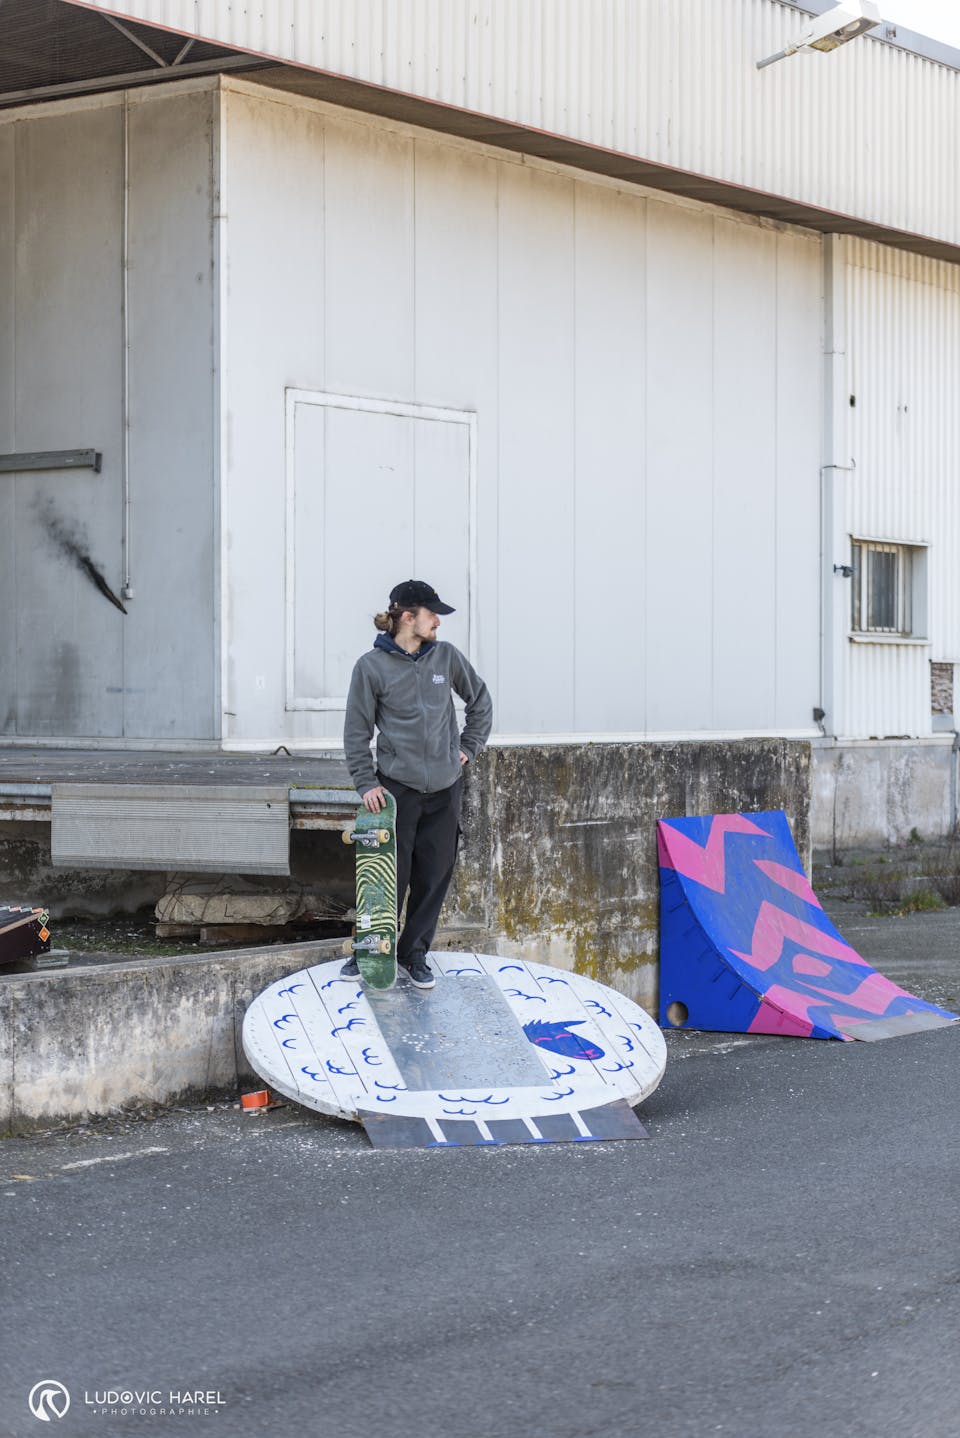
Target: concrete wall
column 645, row 376
column 154, row 1031
column 71, row 664
column 559, row 859
column 28, row 875
column 874, row 794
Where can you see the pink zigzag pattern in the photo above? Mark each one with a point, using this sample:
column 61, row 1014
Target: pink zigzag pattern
column 873, row 996
column 772, row 929
column 797, row 884
column 706, row 865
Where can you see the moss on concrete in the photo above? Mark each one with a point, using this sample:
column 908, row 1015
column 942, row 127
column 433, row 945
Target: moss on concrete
column 560, row 858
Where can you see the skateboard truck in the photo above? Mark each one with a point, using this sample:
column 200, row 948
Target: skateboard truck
column 369, row 839
column 370, row 944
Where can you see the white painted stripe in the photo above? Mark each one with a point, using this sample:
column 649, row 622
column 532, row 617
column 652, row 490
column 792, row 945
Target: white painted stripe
column 111, row 1158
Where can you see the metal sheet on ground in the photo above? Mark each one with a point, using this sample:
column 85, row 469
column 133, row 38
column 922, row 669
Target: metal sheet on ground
column 462, row 1033
column 609, row 1122
column 893, row 1028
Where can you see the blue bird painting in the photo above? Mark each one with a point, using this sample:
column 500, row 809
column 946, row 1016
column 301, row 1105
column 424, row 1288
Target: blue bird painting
column 558, row 1038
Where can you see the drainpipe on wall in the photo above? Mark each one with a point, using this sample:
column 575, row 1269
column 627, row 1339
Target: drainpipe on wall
column 126, row 589
column 835, row 460
column 954, row 775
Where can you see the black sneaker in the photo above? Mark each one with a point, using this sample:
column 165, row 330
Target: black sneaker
column 351, row 969
column 419, row 973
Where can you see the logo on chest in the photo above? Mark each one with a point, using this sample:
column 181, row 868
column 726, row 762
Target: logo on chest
column 438, row 679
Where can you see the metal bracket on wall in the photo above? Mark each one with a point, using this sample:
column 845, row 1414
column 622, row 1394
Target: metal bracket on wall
column 52, row 459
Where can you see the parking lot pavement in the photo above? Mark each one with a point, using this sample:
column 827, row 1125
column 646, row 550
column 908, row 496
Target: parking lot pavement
column 779, row 1260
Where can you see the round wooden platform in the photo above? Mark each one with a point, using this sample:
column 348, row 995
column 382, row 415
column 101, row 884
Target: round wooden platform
column 498, row 1041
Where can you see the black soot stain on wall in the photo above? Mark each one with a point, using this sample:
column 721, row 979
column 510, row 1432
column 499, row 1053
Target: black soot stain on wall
column 72, row 542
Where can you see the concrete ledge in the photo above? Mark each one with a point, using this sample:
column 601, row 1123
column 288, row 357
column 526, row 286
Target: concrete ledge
column 94, row 1040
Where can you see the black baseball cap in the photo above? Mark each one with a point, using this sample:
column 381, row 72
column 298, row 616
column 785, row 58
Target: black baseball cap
column 413, row 593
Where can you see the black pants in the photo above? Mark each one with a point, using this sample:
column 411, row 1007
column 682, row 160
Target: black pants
column 428, row 829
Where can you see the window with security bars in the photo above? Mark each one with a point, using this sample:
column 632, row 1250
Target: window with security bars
column 888, row 588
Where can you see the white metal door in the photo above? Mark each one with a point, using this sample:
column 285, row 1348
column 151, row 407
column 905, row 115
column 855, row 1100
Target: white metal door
column 377, row 492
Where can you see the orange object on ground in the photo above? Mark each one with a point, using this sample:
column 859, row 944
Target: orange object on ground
column 252, row 1102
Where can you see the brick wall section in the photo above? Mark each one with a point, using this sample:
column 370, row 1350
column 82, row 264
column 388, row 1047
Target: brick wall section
column 941, row 688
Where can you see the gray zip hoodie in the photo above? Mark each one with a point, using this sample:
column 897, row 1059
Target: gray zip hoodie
column 408, row 699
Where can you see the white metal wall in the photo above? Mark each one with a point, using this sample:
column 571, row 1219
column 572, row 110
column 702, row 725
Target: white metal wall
column 71, row 665
column 645, row 376
column 902, row 316
column 870, row 130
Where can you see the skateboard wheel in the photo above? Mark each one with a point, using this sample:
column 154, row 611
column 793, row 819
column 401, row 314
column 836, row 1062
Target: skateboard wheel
column 346, row 836
column 347, row 947
column 384, row 946
column 383, row 835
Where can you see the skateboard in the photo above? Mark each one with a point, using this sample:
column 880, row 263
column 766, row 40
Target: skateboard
column 374, row 836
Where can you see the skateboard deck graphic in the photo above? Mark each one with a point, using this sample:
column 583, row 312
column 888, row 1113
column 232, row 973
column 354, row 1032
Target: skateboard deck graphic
column 23, row 932
column 374, row 837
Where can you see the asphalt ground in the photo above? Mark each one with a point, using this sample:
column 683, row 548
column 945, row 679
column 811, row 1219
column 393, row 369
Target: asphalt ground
column 781, row 1258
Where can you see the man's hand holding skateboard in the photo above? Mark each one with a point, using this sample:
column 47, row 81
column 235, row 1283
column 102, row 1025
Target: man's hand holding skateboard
column 374, row 800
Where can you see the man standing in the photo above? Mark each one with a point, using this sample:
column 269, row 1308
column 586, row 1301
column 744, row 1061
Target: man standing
column 404, row 687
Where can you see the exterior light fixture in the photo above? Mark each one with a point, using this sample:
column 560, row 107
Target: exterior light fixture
column 837, row 27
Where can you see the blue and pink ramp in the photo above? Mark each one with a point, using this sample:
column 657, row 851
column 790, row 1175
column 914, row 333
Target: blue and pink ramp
column 746, row 948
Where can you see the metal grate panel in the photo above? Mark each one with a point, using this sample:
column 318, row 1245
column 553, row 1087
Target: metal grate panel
column 153, row 826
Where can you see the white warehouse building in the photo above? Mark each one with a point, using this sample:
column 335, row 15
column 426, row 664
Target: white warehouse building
column 646, row 358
